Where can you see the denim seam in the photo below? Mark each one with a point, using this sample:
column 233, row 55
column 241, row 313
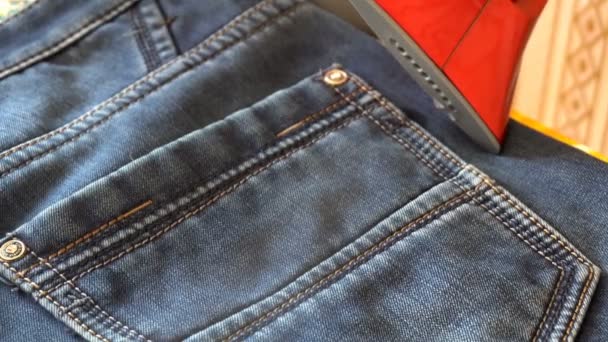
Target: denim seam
column 557, row 307
column 102, row 312
column 20, row 13
column 95, row 235
column 389, row 107
column 160, row 38
column 140, row 33
column 579, row 304
column 316, row 115
column 562, row 297
column 590, row 269
column 549, row 310
column 227, row 188
column 538, row 224
column 44, row 294
column 423, row 158
column 534, row 244
column 398, row 139
column 88, row 236
column 352, row 264
column 188, row 65
column 88, row 26
column 147, row 38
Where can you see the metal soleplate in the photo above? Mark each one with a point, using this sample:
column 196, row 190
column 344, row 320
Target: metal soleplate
column 424, row 71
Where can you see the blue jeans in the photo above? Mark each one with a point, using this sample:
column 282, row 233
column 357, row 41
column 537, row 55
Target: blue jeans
column 242, row 170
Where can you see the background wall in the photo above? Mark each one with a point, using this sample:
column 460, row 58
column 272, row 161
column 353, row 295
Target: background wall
column 564, row 75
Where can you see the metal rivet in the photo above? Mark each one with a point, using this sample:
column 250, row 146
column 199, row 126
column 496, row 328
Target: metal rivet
column 12, row 250
column 335, row 77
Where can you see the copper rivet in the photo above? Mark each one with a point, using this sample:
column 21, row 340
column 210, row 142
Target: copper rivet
column 335, row 77
column 12, row 250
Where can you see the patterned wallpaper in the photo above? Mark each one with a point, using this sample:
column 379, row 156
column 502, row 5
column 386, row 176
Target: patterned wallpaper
column 564, row 76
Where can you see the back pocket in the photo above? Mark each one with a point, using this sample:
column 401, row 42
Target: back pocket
column 320, row 212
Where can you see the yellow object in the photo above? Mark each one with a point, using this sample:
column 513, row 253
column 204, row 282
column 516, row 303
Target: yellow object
column 538, row 126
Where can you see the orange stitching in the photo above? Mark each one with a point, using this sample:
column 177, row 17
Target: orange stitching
column 550, row 305
column 48, row 297
column 554, row 237
column 88, row 236
column 121, row 325
column 67, row 40
column 401, row 141
column 314, row 116
column 537, row 223
column 506, row 198
column 579, row 304
column 319, row 283
column 521, row 237
column 207, row 203
column 192, row 52
column 392, row 110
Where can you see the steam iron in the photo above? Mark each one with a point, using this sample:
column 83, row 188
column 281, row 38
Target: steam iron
column 464, row 53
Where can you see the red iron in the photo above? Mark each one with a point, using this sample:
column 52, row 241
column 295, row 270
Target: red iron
column 464, row 53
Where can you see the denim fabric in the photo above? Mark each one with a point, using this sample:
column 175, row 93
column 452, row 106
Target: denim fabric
column 231, row 193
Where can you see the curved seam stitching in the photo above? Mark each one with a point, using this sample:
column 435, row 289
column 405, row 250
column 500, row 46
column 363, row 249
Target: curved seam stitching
column 109, row 317
column 128, row 104
column 145, row 80
column 66, row 40
column 227, row 189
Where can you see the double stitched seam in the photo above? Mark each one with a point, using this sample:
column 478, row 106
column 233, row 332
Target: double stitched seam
column 312, row 117
column 562, row 296
column 189, row 65
column 123, row 329
column 579, row 304
column 68, row 39
column 410, row 148
column 535, row 247
column 559, row 241
column 549, row 309
column 406, row 122
column 448, row 155
column 227, row 189
column 349, row 266
column 88, row 236
column 140, row 31
column 36, row 288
